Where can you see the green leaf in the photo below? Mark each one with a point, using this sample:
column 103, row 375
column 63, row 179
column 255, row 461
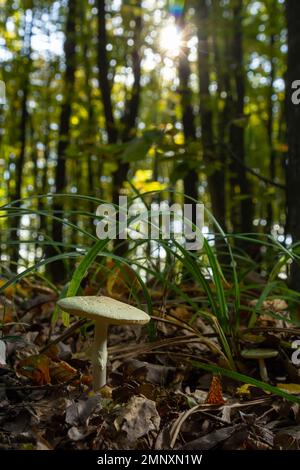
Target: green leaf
column 136, row 150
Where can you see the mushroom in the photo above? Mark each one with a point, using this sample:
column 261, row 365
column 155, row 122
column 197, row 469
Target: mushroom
column 104, row 311
column 260, row 355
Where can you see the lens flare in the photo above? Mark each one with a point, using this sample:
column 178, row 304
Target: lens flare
column 176, row 7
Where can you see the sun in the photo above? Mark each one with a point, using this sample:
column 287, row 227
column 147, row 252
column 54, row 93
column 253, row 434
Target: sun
column 170, row 40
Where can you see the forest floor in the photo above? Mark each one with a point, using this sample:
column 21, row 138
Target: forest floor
column 154, row 399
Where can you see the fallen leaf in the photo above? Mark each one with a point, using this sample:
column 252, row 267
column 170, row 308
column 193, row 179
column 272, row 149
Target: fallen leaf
column 9, row 291
column 78, row 413
column 52, row 352
column 61, row 371
column 19, row 422
column 36, row 367
column 288, row 438
column 2, row 353
column 137, row 418
column 76, row 434
column 244, row 390
column 248, row 390
column 212, row 439
column 294, row 389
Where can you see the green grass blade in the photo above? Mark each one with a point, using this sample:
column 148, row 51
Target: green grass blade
column 247, row 380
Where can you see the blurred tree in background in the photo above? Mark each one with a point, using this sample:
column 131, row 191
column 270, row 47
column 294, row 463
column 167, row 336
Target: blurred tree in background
column 108, row 97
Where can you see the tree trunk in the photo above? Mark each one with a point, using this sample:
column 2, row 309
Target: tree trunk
column 222, row 65
column 105, row 88
column 131, row 106
column 57, row 268
column 215, row 175
column 237, row 143
column 293, row 123
column 17, row 193
column 270, row 122
column 190, row 181
column 93, row 176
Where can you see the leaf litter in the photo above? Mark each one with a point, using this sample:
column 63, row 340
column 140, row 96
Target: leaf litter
column 155, row 398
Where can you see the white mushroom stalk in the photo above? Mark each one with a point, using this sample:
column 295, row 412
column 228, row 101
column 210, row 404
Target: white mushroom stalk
column 99, row 356
column 104, row 311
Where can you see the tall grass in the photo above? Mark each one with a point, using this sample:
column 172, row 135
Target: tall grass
column 224, row 294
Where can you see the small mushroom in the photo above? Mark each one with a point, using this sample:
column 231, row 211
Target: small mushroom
column 104, row 311
column 260, row 355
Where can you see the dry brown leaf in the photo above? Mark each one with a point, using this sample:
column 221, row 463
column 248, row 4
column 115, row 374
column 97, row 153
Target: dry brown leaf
column 36, row 367
column 137, row 418
column 61, row 371
column 9, row 291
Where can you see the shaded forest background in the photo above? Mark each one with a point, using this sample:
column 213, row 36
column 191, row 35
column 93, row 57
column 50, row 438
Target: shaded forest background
column 107, row 98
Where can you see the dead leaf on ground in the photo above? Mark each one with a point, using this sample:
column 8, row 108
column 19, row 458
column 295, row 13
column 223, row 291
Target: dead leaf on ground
column 137, row 418
column 212, row 439
column 36, row 368
column 294, row 389
column 61, row 372
column 9, row 291
column 78, row 413
column 288, row 438
column 2, row 353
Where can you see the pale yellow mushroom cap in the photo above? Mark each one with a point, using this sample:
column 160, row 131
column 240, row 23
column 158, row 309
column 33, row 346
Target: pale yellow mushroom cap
column 111, row 311
column 259, row 353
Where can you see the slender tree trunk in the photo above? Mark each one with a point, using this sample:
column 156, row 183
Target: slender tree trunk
column 131, row 105
column 293, row 122
column 190, row 181
column 92, row 173
column 270, row 123
column 105, row 87
column 42, row 203
column 237, row 140
column 17, row 193
column 215, row 175
column 57, row 268
column 220, row 45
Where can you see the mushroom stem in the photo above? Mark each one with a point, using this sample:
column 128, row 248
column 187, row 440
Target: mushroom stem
column 263, row 370
column 99, row 357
